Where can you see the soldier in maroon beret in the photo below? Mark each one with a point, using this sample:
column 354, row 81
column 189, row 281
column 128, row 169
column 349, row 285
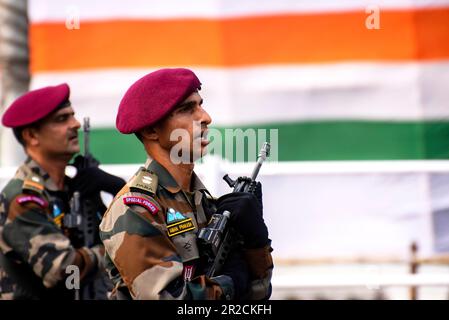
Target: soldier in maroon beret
column 150, row 230
column 36, row 245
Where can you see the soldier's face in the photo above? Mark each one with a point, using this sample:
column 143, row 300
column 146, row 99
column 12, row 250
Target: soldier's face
column 57, row 135
column 186, row 128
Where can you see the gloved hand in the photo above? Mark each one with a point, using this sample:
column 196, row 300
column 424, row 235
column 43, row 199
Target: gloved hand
column 92, row 180
column 236, row 267
column 80, row 162
column 92, row 261
column 246, row 217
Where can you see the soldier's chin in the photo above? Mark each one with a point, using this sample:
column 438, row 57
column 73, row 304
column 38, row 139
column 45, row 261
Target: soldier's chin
column 204, row 144
column 204, row 151
column 74, row 144
column 74, row 149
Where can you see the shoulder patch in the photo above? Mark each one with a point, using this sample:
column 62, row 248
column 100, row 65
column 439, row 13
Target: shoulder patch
column 29, row 198
column 142, row 202
column 33, row 182
column 144, row 181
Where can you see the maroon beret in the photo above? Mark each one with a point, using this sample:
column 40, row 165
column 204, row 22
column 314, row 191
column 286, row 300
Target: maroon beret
column 153, row 96
column 35, row 105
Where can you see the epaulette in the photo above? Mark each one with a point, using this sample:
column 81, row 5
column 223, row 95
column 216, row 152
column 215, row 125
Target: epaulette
column 34, row 183
column 144, row 181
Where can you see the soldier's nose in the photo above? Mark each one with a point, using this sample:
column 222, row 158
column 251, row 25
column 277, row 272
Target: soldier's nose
column 206, row 119
column 76, row 124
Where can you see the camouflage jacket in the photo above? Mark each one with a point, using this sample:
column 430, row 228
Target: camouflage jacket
column 33, row 246
column 150, row 236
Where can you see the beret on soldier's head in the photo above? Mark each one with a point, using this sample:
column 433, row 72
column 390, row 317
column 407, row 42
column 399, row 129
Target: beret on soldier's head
column 35, row 105
column 153, row 96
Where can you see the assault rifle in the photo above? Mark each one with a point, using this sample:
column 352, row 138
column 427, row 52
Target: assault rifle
column 83, row 217
column 85, row 213
column 217, row 239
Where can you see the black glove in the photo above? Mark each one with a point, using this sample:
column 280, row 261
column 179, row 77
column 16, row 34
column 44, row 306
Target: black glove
column 236, row 267
column 91, row 180
column 246, row 217
column 81, row 162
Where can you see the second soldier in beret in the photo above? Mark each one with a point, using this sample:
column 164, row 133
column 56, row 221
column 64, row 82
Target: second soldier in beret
column 150, row 229
column 35, row 245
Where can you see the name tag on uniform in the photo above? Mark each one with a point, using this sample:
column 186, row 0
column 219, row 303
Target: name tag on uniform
column 180, row 227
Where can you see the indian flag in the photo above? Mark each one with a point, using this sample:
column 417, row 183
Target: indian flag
column 358, row 91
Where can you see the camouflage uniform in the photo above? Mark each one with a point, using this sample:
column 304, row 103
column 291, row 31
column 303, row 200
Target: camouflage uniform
column 150, row 232
column 34, row 248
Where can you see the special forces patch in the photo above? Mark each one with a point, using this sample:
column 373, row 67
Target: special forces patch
column 39, row 201
column 139, row 201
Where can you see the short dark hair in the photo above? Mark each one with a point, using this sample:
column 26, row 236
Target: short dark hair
column 139, row 136
column 18, row 134
column 19, row 130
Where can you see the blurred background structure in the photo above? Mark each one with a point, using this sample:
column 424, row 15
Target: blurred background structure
column 357, row 197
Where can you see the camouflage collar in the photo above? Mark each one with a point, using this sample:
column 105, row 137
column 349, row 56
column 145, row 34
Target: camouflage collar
column 36, row 168
column 166, row 180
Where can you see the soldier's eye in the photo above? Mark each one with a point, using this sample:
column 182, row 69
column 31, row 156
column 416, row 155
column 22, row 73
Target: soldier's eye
column 188, row 108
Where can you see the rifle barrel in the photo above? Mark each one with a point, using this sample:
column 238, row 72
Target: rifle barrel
column 86, row 130
column 264, row 152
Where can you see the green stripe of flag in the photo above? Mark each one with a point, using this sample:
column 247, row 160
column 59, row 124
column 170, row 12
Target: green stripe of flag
column 323, row 140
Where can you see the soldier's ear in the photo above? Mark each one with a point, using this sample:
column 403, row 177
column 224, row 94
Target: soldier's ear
column 149, row 133
column 29, row 136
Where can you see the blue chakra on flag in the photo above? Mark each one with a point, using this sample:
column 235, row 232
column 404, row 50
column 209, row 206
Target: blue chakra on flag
column 173, row 215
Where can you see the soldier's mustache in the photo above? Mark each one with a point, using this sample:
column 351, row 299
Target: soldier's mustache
column 203, row 134
column 72, row 134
